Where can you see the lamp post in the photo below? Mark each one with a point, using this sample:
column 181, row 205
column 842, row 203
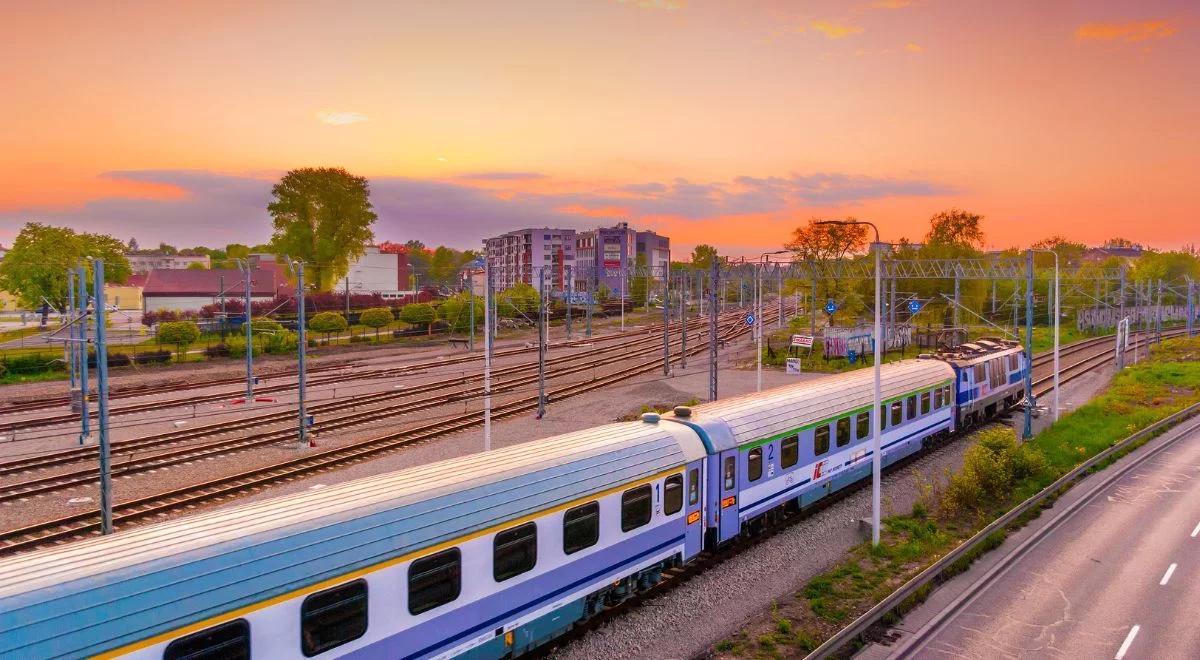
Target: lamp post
column 1057, row 318
column 876, row 436
column 763, row 259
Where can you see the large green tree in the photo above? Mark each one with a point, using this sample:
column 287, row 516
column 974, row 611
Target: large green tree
column 703, row 256
column 322, row 216
column 35, row 269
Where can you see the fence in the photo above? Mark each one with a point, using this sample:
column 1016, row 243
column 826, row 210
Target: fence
column 1095, row 319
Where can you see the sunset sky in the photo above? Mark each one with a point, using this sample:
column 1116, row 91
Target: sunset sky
column 719, row 122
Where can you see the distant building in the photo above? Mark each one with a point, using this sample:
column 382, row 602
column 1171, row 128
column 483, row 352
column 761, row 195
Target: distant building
column 655, row 251
column 385, row 273
column 183, row 290
column 1103, row 252
column 608, row 254
column 520, row 256
column 146, row 262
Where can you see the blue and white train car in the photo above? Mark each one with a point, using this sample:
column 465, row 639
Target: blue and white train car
column 481, row 556
column 990, row 376
column 791, row 446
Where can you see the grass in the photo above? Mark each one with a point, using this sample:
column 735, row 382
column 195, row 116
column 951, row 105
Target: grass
column 997, row 474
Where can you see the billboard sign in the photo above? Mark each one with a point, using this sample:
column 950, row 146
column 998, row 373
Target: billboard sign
column 802, row 341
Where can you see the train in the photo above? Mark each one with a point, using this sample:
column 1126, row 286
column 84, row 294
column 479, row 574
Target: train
column 490, row 555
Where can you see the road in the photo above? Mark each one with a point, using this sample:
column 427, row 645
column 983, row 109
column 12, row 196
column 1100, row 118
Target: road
column 1118, row 579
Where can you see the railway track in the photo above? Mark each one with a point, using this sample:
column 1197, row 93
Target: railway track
column 50, row 483
column 68, row 418
column 82, row 524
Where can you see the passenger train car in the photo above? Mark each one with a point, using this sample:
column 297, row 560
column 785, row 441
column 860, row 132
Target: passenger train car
column 484, row 556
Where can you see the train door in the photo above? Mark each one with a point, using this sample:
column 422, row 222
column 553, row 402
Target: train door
column 730, row 525
column 694, row 509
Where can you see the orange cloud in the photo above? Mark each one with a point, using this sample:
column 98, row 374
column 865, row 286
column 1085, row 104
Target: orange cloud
column 891, row 4
column 914, row 48
column 1129, row 32
column 669, row 5
column 835, row 30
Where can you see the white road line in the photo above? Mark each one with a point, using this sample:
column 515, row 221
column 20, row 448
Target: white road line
column 1167, row 575
column 1196, row 531
column 1128, row 640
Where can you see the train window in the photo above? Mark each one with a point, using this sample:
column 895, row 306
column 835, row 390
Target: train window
column 434, row 581
column 897, row 413
column 673, row 494
column 581, row 527
column 789, row 451
column 1013, row 362
column 949, row 395
column 754, row 464
column 730, row 471
column 937, row 398
column 883, row 417
column 912, row 407
column 863, row 426
column 980, row 373
column 924, row 403
column 694, row 486
column 514, row 551
column 843, row 432
column 635, row 508
column 333, row 617
column 229, row 640
column 821, row 440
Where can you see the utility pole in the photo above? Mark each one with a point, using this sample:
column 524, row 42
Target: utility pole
column 1158, row 314
column 812, row 312
column 85, row 415
column 106, row 522
column 568, row 291
column 222, row 282
column 714, row 281
column 541, row 407
column 347, row 297
column 891, row 333
column 471, row 306
column 957, row 302
column 1191, row 306
column 487, row 356
column 302, row 380
column 758, row 323
column 623, row 278
column 1121, row 296
column 666, row 305
column 1027, row 432
column 683, row 288
column 591, row 301
column 72, row 331
column 249, row 335
column 780, row 292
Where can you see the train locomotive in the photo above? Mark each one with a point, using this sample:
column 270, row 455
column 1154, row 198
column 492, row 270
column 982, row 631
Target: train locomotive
column 489, row 555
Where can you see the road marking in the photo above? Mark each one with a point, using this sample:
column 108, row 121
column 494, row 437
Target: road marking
column 1196, row 531
column 1128, row 640
column 1167, row 575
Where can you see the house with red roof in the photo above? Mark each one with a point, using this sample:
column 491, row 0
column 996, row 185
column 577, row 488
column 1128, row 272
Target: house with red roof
column 184, row 289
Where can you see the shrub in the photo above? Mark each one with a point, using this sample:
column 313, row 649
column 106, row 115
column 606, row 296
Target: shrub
column 180, row 333
column 456, row 312
column 264, row 325
column 236, row 345
column 327, row 323
column 991, row 470
column 419, row 314
column 146, row 358
column 376, row 317
column 518, row 300
column 280, row 342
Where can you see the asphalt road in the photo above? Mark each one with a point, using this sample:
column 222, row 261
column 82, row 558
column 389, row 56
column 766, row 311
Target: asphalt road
column 1119, row 579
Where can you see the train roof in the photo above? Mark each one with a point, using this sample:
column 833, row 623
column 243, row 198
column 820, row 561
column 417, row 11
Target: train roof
column 149, row 580
column 980, row 350
column 751, row 417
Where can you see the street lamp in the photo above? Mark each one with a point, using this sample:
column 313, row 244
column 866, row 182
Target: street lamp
column 1057, row 318
column 758, row 327
column 876, row 435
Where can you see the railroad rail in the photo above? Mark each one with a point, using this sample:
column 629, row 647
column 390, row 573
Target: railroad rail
column 39, row 485
column 79, row 525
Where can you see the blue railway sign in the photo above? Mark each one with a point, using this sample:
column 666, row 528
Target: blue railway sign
column 914, row 306
column 830, row 307
column 749, row 319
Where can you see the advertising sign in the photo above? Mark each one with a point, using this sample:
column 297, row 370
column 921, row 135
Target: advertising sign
column 793, row 365
column 612, row 254
column 802, row 341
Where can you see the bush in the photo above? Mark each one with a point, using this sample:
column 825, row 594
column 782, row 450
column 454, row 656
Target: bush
column 180, row 333
column 518, row 300
column 376, row 317
column 279, row 342
column 327, row 323
column 419, row 314
column 456, row 312
column 146, row 358
column 991, row 470
column 264, row 325
column 236, row 346
column 220, row 350
column 33, row 363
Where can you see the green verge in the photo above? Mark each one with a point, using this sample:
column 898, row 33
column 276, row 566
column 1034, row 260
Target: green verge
column 997, row 474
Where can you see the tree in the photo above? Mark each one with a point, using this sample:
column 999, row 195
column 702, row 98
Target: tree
column 180, row 333
column 703, row 256
column 35, row 268
column 520, row 299
column 132, row 245
column 196, row 265
column 456, row 311
column 956, row 228
column 816, row 242
column 376, row 317
column 1069, row 253
column 327, row 323
column 419, row 257
column 322, row 216
column 1119, row 242
column 419, row 314
column 163, row 248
